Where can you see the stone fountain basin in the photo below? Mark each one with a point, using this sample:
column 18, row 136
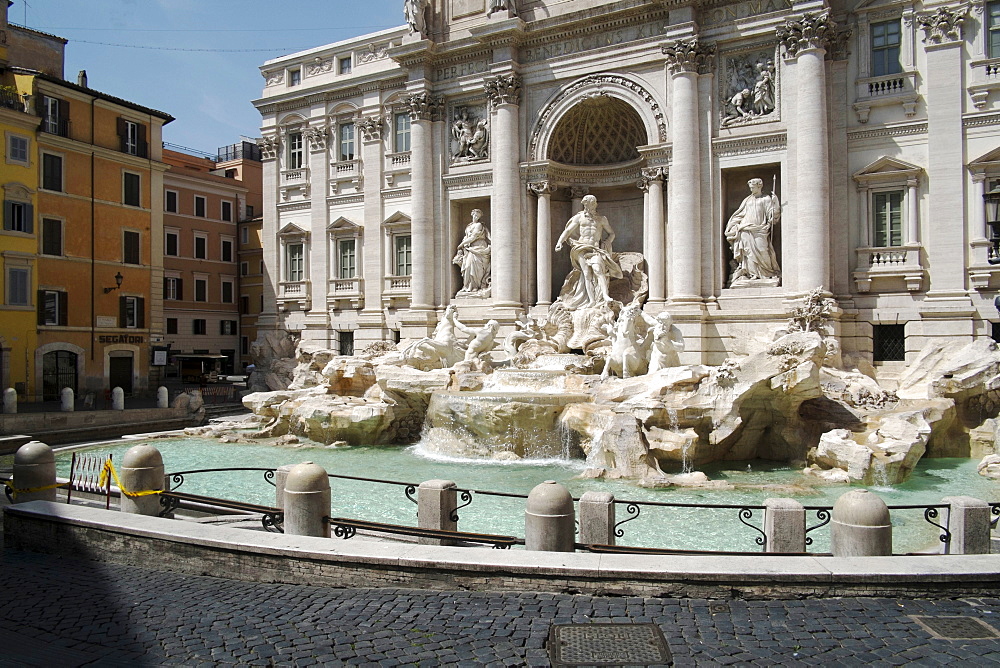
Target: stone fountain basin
column 531, row 380
column 500, row 424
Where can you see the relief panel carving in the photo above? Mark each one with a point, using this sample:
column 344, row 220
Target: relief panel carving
column 748, row 88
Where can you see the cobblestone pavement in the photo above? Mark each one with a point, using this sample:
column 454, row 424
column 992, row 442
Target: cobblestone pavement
column 64, row 612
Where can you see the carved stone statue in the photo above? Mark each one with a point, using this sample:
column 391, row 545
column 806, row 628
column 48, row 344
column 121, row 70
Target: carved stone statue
column 415, row 13
column 444, row 348
column 749, row 232
column 665, row 344
column 473, row 258
column 590, row 254
column 471, row 137
column 483, row 341
column 627, row 357
column 500, row 5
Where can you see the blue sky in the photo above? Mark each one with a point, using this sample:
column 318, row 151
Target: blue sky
column 195, row 59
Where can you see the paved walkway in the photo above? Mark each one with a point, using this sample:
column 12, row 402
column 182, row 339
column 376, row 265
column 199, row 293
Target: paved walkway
column 62, row 612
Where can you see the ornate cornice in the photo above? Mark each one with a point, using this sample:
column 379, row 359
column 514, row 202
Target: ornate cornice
column 464, row 181
column 775, row 141
column 891, row 131
column 397, row 193
column 294, row 206
column 345, row 199
column 503, row 89
column 981, row 121
column 269, row 147
column 371, row 128
column 942, row 26
column 425, row 107
column 811, row 31
column 542, row 188
column 688, row 55
column 316, row 138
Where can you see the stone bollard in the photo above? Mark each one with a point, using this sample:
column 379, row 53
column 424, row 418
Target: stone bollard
column 597, row 518
column 436, row 503
column 34, row 467
column 10, row 401
column 66, row 400
column 280, row 476
column 549, row 519
column 162, row 397
column 142, row 471
column 969, row 524
column 784, row 526
column 307, row 501
column 118, row 399
column 860, row 526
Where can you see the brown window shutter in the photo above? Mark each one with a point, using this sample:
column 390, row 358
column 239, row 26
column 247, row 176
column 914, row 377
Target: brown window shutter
column 180, row 289
column 140, row 312
column 63, row 308
column 122, row 318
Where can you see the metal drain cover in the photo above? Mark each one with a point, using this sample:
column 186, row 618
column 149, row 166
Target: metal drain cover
column 956, row 628
column 607, row 645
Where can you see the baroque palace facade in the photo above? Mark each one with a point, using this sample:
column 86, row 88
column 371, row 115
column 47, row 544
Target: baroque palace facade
column 874, row 128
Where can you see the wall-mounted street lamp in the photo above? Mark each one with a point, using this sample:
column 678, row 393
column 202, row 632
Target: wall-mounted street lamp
column 118, row 283
column 993, row 222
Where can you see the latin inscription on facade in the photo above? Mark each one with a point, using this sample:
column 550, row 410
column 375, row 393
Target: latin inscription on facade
column 744, row 10
column 460, row 8
column 460, row 70
column 567, row 47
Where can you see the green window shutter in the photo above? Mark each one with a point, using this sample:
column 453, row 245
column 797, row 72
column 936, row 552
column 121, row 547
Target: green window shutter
column 29, row 218
column 8, row 215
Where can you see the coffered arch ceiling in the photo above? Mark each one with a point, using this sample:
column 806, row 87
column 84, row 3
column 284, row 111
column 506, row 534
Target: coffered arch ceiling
column 599, row 130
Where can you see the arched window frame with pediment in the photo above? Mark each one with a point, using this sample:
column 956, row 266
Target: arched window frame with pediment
column 885, row 264
column 293, row 178
column 899, row 88
column 294, row 285
column 396, row 285
column 345, row 283
column 985, row 259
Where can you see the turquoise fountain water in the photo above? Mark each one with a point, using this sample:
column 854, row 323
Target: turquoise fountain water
column 680, row 528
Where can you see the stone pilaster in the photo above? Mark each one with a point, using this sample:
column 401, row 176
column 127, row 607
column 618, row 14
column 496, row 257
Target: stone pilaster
column 317, row 320
column 654, row 238
column 504, row 95
column 269, row 147
column 684, row 59
column 370, row 131
column 804, row 41
column 423, row 108
column 543, row 241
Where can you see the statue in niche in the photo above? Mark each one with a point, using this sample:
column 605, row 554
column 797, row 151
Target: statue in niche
column 590, row 255
column 754, row 86
column 444, row 348
column 749, row 233
column 471, row 136
column 473, row 258
column 415, row 13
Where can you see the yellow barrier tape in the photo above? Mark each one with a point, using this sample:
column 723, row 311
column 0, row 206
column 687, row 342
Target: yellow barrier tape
column 109, row 467
column 14, row 491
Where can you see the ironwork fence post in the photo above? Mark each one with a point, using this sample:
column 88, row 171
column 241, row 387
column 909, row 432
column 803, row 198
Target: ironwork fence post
column 969, row 524
column 436, row 505
column 597, row 518
column 784, row 526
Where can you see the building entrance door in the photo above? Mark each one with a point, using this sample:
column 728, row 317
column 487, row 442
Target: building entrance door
column 58, row 371
column 120, row 373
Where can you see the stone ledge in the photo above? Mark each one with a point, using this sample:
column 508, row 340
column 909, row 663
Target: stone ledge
column 202, row 549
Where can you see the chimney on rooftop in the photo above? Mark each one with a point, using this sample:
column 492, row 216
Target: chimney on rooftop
column 81, row 78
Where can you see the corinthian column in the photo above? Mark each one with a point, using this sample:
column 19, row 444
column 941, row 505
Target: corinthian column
column 652, row 184
column 543, row 241
column 805, row 42
column 504, row 94
column 684, row 59
column 423, row 108
column 370, row 128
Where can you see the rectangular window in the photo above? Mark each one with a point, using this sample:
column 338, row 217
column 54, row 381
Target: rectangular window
column 346, row 253
column 52, row 308
column 200, row 290
column 130, row 187
column 345, row 341
column 171, row 245
column 889, row 343
column 227, row 211
column 171, row 325
column 170, row 202
column 294, row 262
column 227, row 327
column 404, row 255
column 227, row 250
column 244, row 345
column 294, row 77
column 130, row 137
column 887, row 210
column 347, row 141
column 52, row 243
column 993, row 30
column 401, row 142
column 200, row 247
column 199, row 206
column 227, row 292
column 18, row 217
column 173, row 288
column 345, row 65
column 249, row 211
column 17, row 149
column 54, row 114
column 244, row 268
column 18, row 284
column 885, row 48
column 131, row 312
column 52, row 176
column 198, row 326
column 244, row 304
column 245, row 236
column 294, row 150
column 130, row 247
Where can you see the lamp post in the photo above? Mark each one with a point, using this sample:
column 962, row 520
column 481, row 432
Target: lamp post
column 118, row 283
column 992, row 201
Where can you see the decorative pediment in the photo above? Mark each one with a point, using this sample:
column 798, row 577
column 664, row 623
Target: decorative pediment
column 887, row 169
column 17, row 191
column 398, row 218
column 291, row 230
column 343, row 226
column 987, row 161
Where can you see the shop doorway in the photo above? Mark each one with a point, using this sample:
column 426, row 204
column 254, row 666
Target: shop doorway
column 120, row 373
column 58, row 371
